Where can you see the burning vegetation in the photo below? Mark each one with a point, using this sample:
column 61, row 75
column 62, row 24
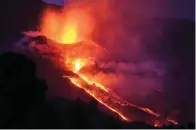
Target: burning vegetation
column 69, row 36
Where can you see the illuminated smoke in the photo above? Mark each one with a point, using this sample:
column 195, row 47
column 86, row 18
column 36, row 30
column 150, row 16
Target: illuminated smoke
column 96, row 31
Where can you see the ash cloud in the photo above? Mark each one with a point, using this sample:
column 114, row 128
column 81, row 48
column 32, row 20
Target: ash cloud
column 138, row 71
column 134, row 81
column 127, row 36
column 133, row 42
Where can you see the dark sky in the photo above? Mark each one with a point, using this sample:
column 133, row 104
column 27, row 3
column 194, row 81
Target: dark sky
column 183, row 9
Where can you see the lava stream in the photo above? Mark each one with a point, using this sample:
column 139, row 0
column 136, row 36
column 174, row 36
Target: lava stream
column 68, row 30
column 104, row 95
column 100, row 95
column 95, row 89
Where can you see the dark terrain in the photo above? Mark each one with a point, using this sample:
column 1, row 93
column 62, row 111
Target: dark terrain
column 23, row 94
column 25, row 105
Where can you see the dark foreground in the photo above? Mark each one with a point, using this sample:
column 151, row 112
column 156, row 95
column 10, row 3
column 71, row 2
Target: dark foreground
column 22, row 97
column 24, row 104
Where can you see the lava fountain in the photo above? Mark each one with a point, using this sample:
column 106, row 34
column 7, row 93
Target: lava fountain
column 54, row 25
column 69, row 31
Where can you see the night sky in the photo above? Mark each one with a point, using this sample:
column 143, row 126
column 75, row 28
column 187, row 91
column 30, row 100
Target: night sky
column 181, row 9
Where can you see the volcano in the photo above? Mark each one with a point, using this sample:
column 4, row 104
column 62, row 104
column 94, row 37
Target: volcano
column 79, row 68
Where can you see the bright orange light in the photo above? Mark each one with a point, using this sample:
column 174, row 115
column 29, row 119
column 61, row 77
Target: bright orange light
column 156, row 124
column 98, row 98
column 172, row 121
column 96, row 84
column 69, row 27
column 70, row 34
column 78, row 64
column 72, row 26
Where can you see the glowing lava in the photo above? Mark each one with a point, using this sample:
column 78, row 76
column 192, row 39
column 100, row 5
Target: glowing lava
column 104, row 95
column 68, row 28
column 78, row 65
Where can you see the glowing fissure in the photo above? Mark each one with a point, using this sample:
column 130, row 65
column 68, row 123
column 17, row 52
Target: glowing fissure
column 104, row 95
column 98, row 98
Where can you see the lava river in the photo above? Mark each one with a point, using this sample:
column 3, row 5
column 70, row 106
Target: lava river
column 72, row 43
column 101, row 93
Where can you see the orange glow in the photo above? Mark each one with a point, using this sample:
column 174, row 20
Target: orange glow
column 78, row 64
column 71, row 34
column 98, row 97
column 96, row 84
column 172, row 121
column 72, row 26
column 103, row 94
column 67, row 27
column 157, row 124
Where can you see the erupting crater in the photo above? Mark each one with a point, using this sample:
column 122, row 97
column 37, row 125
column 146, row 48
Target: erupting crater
column 70, row 40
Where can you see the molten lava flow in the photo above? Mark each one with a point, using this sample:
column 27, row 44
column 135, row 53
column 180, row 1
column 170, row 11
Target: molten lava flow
column 68, row 28
column 172, row 121
column 100, row 94
column 105, row 96
column 78, row 64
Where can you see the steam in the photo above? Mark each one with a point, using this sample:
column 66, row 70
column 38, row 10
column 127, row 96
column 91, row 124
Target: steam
column 136, row 73
column 132, row 81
